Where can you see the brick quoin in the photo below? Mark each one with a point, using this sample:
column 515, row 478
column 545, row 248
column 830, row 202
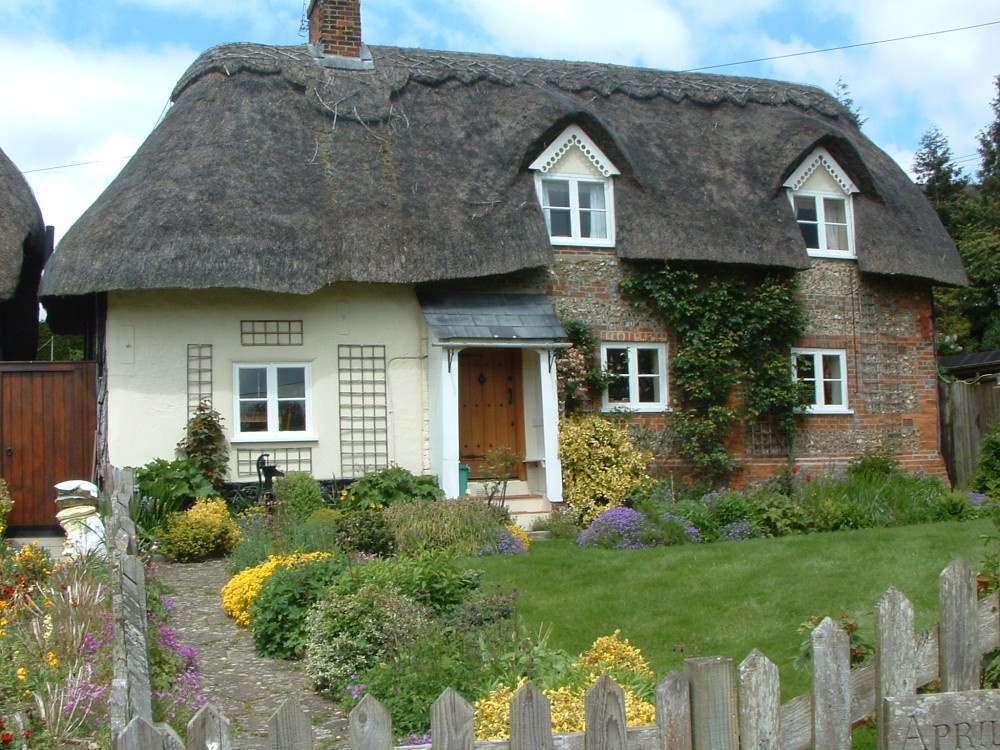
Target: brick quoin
column 891, row 381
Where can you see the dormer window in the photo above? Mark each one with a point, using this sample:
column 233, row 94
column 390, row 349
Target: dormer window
column 573, row 179
column 821, row 196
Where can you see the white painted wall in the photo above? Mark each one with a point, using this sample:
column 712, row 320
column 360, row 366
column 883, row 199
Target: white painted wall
column 148, row 334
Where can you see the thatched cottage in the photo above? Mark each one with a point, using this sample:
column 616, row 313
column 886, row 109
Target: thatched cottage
column 22, row 255
column 361, row 254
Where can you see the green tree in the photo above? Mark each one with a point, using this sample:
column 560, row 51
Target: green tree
column 968, row 319
column 54, row 347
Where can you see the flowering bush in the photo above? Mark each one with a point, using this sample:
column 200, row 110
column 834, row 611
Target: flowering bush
column 609, row 655
column 238, row 594
column 506, row 541
column 738, row 530
column 600, row 465
column 617, row 528
column 6, row 506
column 204, row 530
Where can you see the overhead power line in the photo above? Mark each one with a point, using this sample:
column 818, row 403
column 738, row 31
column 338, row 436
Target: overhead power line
column 845, row 46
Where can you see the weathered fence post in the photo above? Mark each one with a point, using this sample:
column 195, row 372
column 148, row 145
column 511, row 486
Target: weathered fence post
column 604, row 716
column 451, row 723
column 209, row 730
column 371, row 726
column 957, row 628
column 760, row 703
column 530, row 720
column 289, row 728
column 895, row 655
column 673, row 712
column 714, row 723
column 831, row 657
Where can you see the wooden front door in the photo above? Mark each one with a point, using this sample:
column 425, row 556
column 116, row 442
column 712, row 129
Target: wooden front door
column 491, row 405
column 48, row 419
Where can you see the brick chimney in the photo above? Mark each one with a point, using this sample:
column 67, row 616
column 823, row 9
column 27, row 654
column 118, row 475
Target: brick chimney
column 336, row 25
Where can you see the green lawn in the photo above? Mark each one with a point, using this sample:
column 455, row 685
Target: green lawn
column 728, row 598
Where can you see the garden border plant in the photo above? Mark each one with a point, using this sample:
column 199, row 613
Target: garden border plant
column 734, row 337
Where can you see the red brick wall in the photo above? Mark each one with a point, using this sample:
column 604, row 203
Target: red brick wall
column 336, row 24
column 884, row 326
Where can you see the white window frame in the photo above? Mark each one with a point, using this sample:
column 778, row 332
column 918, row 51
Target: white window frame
column 819, row 405
column 662, row 382
column 547, row 167
column 272, row 434
column 821, row 161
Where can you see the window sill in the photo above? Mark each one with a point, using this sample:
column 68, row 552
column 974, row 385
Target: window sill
column 826, row 410
column 636, row 409
column 580, row 242
column 830, row 254
column 264, row 437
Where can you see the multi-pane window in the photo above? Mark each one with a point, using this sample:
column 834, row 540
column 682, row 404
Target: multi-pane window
column 639, row 374
column 272, row 401
column 575, row 208
column 826, row 371
column 823, row 221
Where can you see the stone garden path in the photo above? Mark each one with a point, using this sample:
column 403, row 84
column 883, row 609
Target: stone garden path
column 246, row 687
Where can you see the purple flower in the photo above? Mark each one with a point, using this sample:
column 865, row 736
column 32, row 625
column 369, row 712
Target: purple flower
column 616, row 528
column 505, row 543
column 692, row 532
column 976, row 499
column 739, row 530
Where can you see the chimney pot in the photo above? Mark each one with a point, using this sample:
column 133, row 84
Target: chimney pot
column 336, row 24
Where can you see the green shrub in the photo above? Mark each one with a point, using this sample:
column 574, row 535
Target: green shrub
column 6, row 505
column 387, row 486
column 204, row 530
column 349, row 631
column 278, row 612
column 873, row 463
column 320, row 531
column 365, row 532
column 560, row 523
column 987, row 478
column 463, row 526
column 600, row 465
column 204, row 442
column 298, row 493
column 256, row 540
column 408, row 680
column 432, row 579
column 776, row 514
column 166, row 487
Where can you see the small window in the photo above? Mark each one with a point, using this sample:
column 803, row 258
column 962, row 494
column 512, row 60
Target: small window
column 573, row 179
column 826, row 371
column 272, row 401
column 640, row 376
column 821, row 195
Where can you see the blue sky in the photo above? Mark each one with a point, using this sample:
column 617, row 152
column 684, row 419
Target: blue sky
column 82, row 82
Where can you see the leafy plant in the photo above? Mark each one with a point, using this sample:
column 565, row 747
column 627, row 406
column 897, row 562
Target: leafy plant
column 861, row 650
column 498, row 464
column 733, row 338
column 387, row 486
column 579, row 374
column 298, row 493
column 278, row 612
column 205, row 443
column 6, row 506
column 987, row 476
column 560, row 523
column 600, row 464
column 171, row 486
column 365, row 531
column 204, row 530
column 463, row 526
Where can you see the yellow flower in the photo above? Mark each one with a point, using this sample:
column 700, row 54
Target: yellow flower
column 22, row 674
column 52, row 659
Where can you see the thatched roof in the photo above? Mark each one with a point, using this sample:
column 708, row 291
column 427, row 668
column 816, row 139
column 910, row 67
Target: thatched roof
column 272, row 172
column 22, row 231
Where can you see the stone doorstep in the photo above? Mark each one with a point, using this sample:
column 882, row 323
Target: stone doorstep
column 52, row 544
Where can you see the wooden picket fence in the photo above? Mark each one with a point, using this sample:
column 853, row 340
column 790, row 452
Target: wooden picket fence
column 711, row 705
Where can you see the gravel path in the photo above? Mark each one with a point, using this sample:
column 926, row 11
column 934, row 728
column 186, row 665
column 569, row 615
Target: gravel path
column 246, row 687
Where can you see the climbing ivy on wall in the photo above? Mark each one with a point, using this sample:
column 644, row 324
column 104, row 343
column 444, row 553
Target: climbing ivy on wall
column 734, row 336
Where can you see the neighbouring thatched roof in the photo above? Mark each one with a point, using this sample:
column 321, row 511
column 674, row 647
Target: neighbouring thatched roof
column 21, row 228
column 271, row 172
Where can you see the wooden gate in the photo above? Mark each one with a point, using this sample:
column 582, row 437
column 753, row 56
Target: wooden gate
column 48, row 423
column 491, row 405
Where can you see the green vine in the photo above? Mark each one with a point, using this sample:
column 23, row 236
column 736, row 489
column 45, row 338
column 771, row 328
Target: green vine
column 580, row 375
column 734, row 336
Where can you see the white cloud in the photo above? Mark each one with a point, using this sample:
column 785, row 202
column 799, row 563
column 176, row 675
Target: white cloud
column 71, row 105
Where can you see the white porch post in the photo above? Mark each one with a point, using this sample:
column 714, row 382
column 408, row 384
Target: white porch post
column 443, row 386
column 550, row 426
